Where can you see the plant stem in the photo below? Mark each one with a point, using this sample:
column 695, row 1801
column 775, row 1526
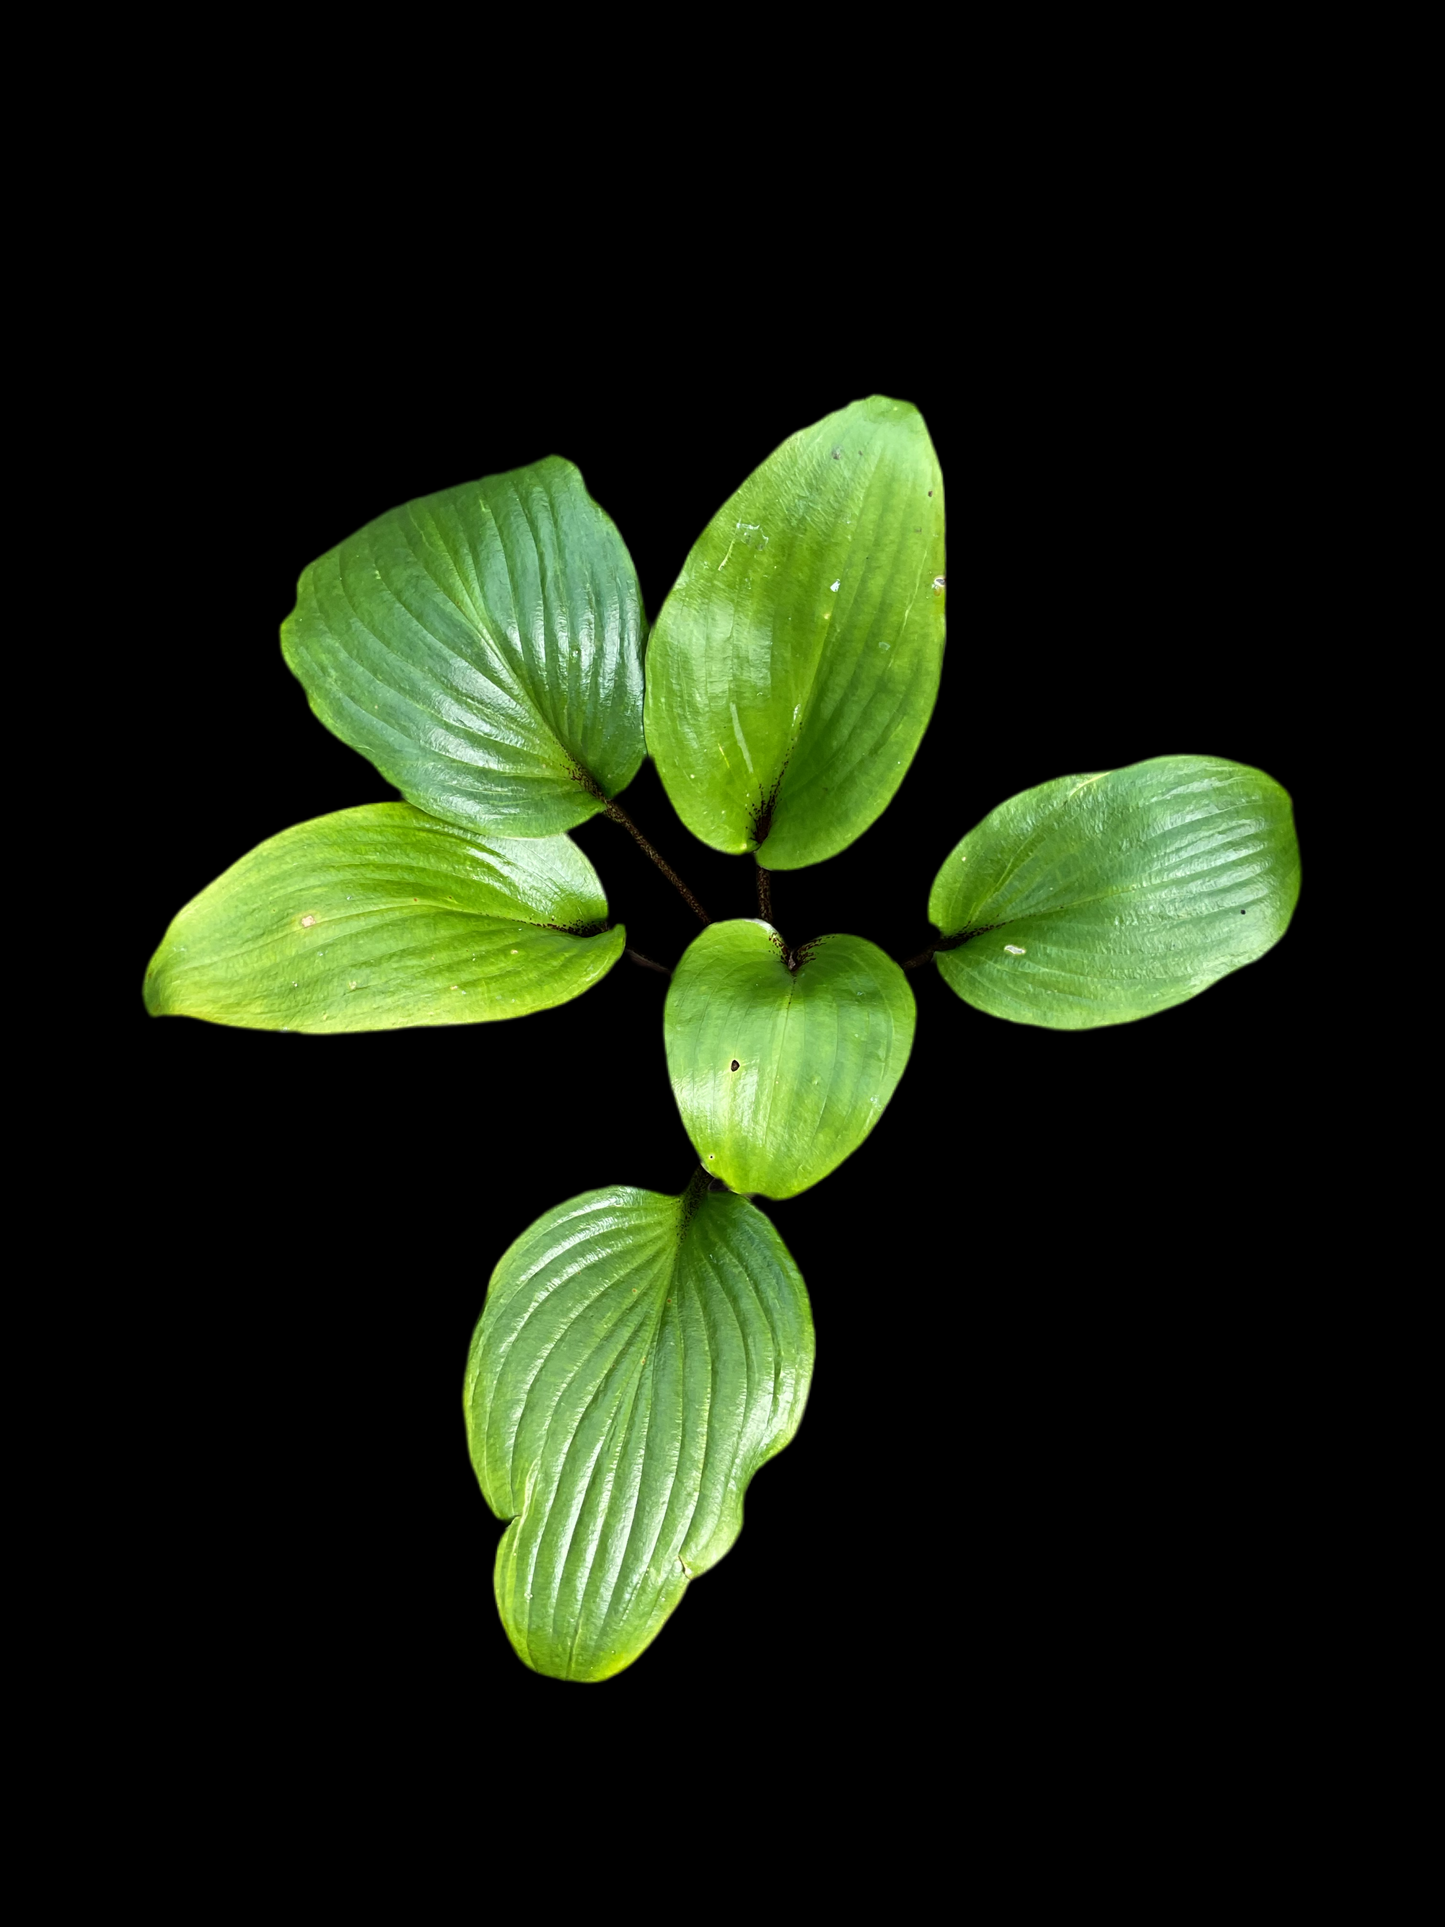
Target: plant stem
column 619, row 815
column 698, row 1186
column 947, row 943
column 765, row 894
column 647, row 963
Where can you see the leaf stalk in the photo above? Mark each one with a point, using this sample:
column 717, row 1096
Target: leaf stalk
column 947, row 943
column 647, row 963
column 619, row 815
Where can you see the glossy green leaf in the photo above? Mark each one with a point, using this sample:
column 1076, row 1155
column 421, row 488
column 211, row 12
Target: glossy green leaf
column 638, row 1359
column 1102, row 898
column 793, row 669
column 483, row 647
column 779, row 1072
column 380, row 917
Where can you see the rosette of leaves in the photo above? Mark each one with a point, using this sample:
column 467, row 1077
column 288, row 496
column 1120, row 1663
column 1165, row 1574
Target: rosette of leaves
column 640, row 1356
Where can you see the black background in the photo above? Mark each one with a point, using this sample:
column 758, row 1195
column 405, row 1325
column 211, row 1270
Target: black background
column 1055, row 1293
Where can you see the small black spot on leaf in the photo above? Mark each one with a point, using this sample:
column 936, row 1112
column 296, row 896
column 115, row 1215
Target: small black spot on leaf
column 733, row 1066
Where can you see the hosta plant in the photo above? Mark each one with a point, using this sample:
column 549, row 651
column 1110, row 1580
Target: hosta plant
column 639, row 1356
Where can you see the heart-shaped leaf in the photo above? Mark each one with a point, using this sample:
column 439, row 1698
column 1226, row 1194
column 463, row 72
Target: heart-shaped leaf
column 793, row 669
column 1097, row 899
column 638, row 1359
column 483, row 648
column 781, row 1062
column 380, row 917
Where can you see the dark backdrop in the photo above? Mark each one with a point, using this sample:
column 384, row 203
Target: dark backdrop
column 1054, row 1292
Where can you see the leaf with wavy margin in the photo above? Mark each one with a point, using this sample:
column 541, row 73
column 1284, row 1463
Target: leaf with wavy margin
column 639, row 1358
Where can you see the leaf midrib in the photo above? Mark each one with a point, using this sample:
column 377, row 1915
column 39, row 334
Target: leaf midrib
column 805, row 706
column 267, row 939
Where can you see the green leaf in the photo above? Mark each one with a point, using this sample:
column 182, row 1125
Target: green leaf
column 638, row 1359
column 781, row 1072
column 1102, row 898
column 381, row 917
column 483, row 647
column 793, row 669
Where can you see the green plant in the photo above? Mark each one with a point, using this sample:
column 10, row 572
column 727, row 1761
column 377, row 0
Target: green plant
column 639, row 1356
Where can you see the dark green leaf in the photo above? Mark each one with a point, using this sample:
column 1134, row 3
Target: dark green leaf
column 380, row 917
column 781, row 1073
column 1102, row 898
column 483, row 647
column 638, row 1359
column 794, row 666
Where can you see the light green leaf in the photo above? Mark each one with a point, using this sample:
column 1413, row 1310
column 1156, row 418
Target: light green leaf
column 1102, row 898
column 380, row 917
column 780, row 1072
column 483, row 647
column 793, row 669
column 638, row 1359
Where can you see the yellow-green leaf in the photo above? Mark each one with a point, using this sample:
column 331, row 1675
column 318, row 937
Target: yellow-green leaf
column 380, row 917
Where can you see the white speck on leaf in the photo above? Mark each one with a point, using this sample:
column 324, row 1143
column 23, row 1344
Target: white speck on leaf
column 836, row 585
column 1014, row 949
column 307, row 921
